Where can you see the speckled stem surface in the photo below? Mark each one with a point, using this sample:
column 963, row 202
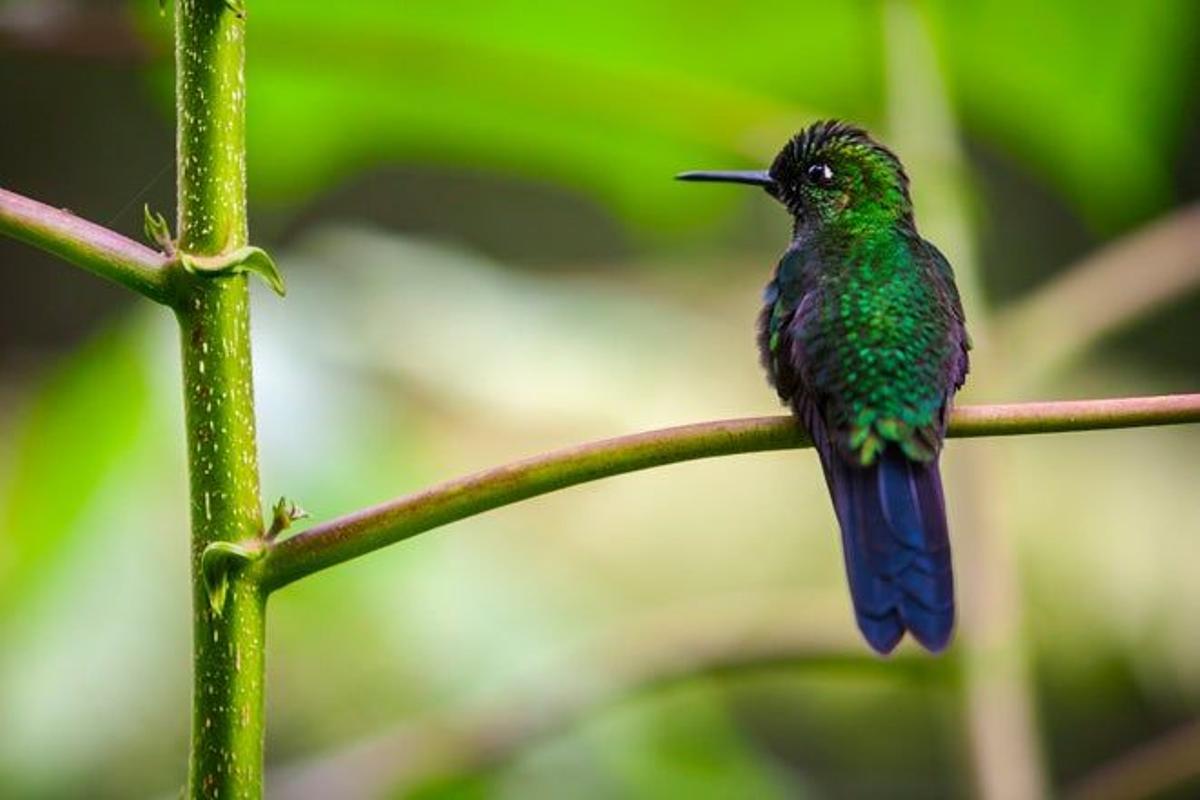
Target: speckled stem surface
column 356, row 534
column 214, row 320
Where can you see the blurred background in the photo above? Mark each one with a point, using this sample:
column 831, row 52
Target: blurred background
column 486, row 258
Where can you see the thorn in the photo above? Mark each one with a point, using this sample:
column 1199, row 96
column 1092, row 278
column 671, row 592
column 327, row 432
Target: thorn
column 157, row 230
column 284, row 514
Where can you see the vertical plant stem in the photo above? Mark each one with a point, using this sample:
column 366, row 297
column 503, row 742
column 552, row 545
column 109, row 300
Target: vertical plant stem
column 213, row 313
column 1001, row 718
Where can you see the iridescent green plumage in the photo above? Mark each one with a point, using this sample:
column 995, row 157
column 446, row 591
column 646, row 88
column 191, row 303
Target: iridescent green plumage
column 862, row 334
column 880, row 335
column 876, row 338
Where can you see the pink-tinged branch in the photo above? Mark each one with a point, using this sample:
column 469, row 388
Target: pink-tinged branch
column 86, row 244
column 1107, row 290
column 1150, row 770
column 355, row 534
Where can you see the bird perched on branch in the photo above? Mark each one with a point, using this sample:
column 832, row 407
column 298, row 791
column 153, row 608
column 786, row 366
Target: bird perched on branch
column 862, row 334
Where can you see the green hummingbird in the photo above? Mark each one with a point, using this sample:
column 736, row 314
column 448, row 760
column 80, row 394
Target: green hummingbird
column 862, row 334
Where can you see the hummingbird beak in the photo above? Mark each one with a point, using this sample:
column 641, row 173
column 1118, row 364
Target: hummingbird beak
column 752, row 177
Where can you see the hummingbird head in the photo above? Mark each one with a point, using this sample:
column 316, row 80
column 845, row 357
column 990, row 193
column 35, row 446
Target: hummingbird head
column 830, row 171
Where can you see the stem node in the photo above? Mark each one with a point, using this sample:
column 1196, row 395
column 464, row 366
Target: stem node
column 221, row 559
column 243, row 260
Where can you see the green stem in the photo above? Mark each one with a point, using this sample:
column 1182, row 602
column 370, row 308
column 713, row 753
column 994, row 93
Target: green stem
column 213, row 312
column 86, row 244
column 356, row 534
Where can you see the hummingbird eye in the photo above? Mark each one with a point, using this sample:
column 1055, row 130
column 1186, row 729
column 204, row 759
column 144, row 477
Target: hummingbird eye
column 820, row 174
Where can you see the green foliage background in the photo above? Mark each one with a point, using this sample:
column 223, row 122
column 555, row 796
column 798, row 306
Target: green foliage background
column 599, row 97
column 472, row 204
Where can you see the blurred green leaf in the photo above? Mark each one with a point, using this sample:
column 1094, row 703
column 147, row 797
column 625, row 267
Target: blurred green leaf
column 614, row 98
column 78, row 426
column 88, row 628
column 685, row 742
column 1091, row 96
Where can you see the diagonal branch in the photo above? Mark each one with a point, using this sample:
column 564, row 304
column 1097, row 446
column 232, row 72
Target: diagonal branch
column 86, row 244
column 1104, row 292
column 1151, row 770
column 361, row 532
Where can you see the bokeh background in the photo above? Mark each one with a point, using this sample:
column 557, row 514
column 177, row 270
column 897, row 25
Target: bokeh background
column 487, row 257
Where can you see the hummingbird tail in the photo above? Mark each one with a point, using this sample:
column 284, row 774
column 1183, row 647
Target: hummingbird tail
column 897, row 549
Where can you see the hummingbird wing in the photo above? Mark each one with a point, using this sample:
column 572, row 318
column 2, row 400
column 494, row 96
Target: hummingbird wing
column 781, row 298
column 958, row 362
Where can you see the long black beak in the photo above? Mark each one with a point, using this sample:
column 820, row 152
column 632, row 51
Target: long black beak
column 752, row 177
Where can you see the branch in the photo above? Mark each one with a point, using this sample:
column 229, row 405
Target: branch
column 74, row 30
column 1104, row 292
column 86, row 244
column 361, row 532
column 1150, row 770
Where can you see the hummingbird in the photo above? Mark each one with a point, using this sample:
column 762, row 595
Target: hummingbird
column 862, row 335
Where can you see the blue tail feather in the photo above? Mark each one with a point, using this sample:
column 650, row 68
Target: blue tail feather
column 896, row 547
